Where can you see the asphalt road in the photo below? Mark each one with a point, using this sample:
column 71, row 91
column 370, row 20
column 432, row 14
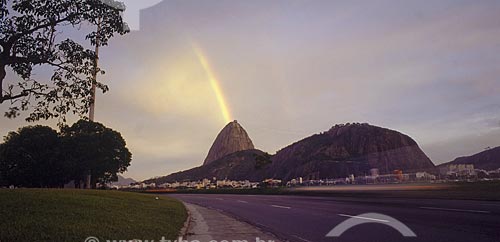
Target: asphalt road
column 310, row 219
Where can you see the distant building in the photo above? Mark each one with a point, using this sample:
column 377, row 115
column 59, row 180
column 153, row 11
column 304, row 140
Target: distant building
column 271, row 182
column 398, row 174
column 424, row 176
column 458, row 170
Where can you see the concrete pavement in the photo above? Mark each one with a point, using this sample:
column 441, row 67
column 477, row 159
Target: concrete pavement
column 211, row 225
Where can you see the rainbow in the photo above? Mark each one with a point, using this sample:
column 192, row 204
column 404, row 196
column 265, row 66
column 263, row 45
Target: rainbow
column 214, row 82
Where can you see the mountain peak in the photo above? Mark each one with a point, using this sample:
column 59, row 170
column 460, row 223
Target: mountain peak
column 232, row 138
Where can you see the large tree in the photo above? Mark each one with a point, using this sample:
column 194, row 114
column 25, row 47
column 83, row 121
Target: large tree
column 38, row 156
column 29, row 158
column 34, row 33
column 94, row 148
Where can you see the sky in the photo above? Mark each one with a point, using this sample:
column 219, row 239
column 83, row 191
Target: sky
column 287, row 69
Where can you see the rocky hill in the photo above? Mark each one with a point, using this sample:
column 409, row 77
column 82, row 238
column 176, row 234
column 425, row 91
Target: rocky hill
column 242, row 165
column 349, row 149
column 339, row 152
column 231, row 139
column 487, row 160
column 122, row 181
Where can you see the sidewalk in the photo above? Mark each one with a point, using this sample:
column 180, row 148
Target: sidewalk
column 210, row 225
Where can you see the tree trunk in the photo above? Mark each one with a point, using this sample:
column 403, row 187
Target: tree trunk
column 3, row 73
column 88, row 180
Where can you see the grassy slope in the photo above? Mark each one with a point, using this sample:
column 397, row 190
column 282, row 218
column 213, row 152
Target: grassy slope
column 73, row 215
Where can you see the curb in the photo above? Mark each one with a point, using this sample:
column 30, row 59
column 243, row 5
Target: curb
column 185, row 229
column 256, row 226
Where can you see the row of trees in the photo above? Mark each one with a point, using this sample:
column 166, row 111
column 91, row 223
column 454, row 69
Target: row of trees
column 39, row 156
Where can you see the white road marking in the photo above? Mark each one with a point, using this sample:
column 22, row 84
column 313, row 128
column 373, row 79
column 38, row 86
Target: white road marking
column 298, row 237
column 241, row 201
column 220, row 199
column 456, row 210
column 278, row 206
column 489, row 204
column 365, row 218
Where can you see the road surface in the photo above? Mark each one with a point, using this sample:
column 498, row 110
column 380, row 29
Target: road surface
column 310, row 219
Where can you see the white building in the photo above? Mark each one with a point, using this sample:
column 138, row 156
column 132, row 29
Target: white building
column 458, row 169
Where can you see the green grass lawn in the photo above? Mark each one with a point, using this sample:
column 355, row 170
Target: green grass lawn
column 74, row 215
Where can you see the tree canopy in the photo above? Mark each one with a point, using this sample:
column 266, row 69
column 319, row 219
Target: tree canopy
column 28, row 158
column 38, row 156
column 93, row 147
column 32, row 33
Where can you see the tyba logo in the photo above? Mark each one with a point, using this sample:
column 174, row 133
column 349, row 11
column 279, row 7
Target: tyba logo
column 354, row 221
